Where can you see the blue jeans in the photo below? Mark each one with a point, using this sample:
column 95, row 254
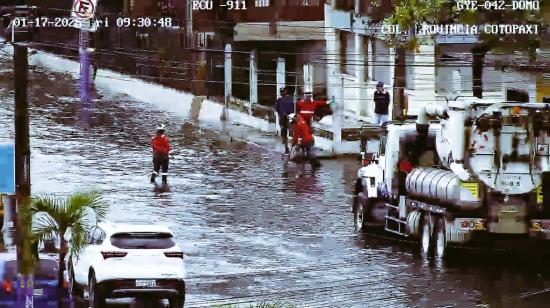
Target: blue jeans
column 380, row 119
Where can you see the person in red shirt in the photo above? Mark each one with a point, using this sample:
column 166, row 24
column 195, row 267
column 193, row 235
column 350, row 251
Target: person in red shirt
column 302, row 138
column 161, row 149
column 307, row 107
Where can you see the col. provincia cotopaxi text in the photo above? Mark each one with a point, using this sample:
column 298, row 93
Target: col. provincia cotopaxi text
column 463, row 29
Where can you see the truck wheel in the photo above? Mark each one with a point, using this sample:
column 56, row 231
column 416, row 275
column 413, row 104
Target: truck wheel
column 426, row 237
column 440, row 239
column 359, row 216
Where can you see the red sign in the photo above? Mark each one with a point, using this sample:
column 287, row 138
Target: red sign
column 84, row 8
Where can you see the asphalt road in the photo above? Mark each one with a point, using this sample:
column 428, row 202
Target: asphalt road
column 253, row 226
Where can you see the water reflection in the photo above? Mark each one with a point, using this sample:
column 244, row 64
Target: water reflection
column 260, row 226
column 300, row 178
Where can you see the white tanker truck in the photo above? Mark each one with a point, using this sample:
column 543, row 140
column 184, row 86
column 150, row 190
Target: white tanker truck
column 462, row 174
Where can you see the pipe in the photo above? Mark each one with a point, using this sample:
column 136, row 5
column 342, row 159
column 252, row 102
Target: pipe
column 456, row 126
column 436, row 110
column 422, row 116
column 431, row 110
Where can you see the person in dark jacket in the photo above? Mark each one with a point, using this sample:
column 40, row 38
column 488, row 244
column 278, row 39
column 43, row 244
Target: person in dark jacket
column 284, row 106
column 381, row 104
column 161, row 149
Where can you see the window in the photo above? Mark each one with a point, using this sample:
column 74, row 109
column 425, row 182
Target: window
column 373, row 145
column 91, row 236
column 203, row 39
column 144, row 240
column 166, row 7
column 345, row 5
column 261, row 3
column 383, row 145
column 98, row 236
column 303, row 2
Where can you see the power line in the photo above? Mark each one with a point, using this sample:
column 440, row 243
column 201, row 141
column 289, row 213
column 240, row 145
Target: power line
column 267, row 83
column 260, row 83
column 352, row 63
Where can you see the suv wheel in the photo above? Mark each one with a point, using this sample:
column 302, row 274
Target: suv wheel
column 73, row 288
column 359, row 216
column 96, row 299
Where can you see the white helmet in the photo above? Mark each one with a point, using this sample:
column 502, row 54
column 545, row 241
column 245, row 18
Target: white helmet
column 161, row 128
column 292, row 118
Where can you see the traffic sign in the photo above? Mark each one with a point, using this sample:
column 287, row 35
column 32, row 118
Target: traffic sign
column 83, row 9
column 7, row 169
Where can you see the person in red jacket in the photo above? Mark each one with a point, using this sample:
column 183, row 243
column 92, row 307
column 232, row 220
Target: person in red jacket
column 302, row 138
column 307, row 107
column 161, row 149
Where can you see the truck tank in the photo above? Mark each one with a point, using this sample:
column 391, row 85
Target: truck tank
column 441, row 186
column 504, row 145
column 509, row 147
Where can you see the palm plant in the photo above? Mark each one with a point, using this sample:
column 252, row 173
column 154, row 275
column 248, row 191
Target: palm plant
column 54, row 217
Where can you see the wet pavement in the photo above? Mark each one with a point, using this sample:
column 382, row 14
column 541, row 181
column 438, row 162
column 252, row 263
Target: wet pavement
column 254, row 227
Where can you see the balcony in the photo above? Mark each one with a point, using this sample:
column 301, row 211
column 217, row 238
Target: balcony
column 279, row 13
column 366, row 8
column 280, row 31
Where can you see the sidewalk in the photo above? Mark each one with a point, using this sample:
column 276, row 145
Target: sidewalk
column 239, row 122
column 254, row 125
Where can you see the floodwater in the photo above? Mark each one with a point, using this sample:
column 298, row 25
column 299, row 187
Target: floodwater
column 253, row 226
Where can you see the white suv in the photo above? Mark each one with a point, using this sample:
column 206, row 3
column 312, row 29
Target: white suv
column 125, row 260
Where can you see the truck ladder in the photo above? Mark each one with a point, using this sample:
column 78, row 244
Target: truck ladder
column 393, row 223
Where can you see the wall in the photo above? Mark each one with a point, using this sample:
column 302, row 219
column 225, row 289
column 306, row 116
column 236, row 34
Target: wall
column 381, row 70
column 495, row 81
column 312, row 52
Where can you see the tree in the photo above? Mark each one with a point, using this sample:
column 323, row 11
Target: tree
column 407, row 14
column 54, row 217
column 503, row 43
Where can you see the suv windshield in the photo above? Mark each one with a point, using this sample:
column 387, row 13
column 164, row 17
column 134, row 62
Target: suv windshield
column 43, row 269
column 142, row 240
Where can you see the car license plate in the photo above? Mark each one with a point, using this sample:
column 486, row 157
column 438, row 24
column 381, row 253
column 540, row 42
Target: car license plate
column 146, row 283
column 37, row 292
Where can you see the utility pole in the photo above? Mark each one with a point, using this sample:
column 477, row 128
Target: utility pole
column 337, row 115
column 253, row 80
column 22, row 177
column 281, row 77
column 84, row 66
column 228, row 81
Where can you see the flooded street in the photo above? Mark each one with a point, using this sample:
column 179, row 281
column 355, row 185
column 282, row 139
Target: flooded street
column 253, row 226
